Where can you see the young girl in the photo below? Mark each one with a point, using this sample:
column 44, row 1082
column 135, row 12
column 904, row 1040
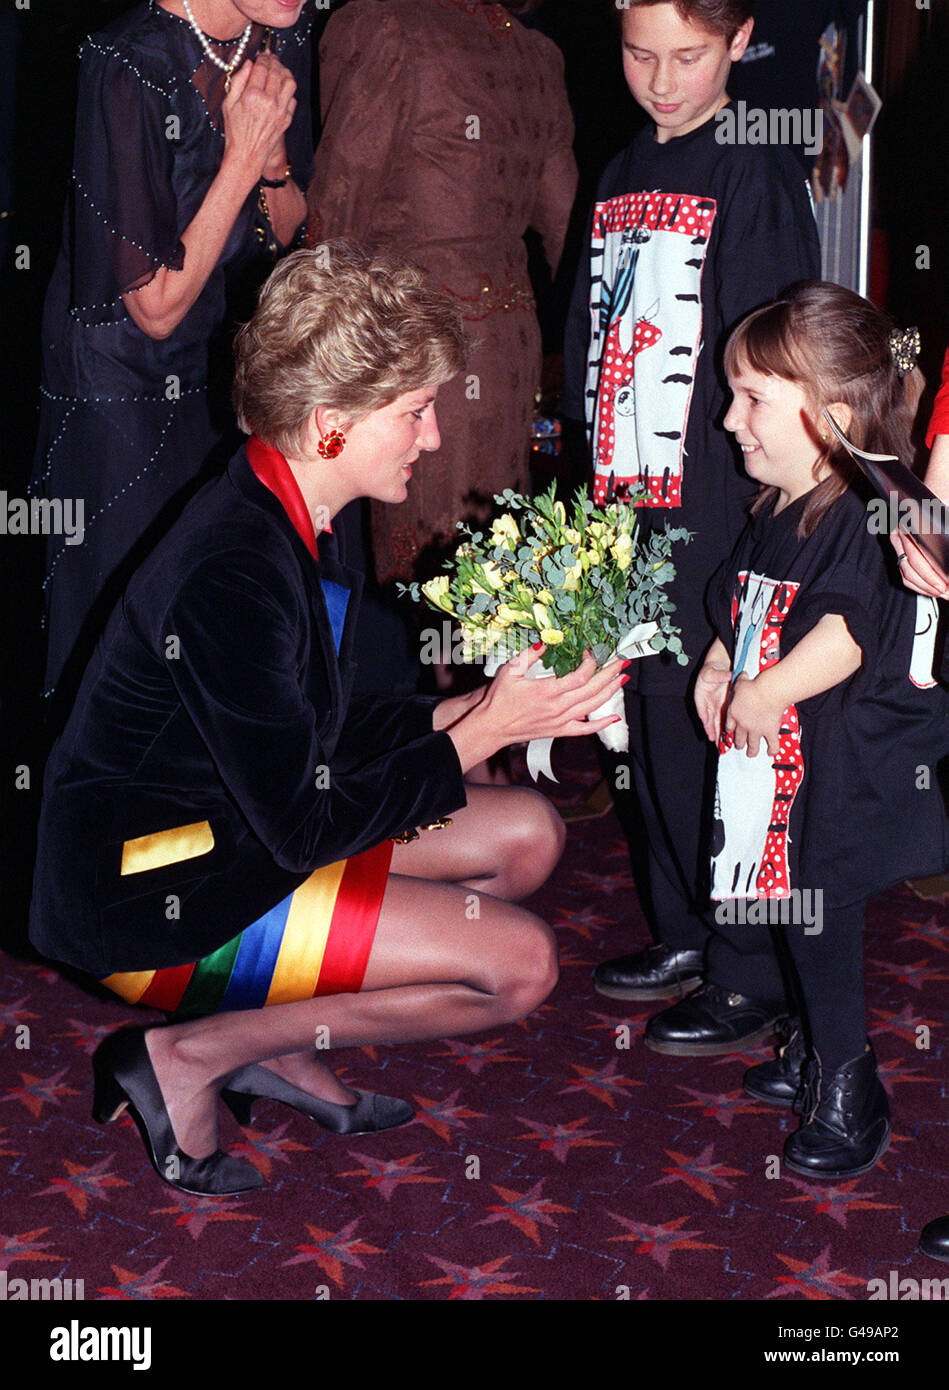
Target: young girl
column 820, row 694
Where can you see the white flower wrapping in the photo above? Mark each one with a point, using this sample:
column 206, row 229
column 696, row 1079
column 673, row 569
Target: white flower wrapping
column 615, row 737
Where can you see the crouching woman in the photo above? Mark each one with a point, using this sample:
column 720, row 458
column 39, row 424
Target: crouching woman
column 219, row 815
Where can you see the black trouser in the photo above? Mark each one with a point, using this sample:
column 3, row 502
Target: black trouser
column 666, row 818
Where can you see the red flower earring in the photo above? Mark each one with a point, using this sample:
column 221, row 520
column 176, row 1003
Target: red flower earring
column 331, row 445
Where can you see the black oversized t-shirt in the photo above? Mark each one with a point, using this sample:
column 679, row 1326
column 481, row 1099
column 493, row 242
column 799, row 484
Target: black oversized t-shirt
column 685, row 239
column 851, row 803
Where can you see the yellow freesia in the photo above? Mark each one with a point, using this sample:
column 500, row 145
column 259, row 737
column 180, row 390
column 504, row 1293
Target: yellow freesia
column 492, row 574
column 436, row 591
column 551, row 636
column 504, row 532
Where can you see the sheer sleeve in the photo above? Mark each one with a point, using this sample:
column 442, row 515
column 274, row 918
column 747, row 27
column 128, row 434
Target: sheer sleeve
column 125, row 218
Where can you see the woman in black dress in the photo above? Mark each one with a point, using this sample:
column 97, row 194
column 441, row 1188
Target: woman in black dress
column 192, row 141
column 218, row 816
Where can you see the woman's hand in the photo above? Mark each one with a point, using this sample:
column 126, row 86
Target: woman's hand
column 257, row 112
column 711, row 692
column 917, row 570
column 752, row 715
column 516, row 708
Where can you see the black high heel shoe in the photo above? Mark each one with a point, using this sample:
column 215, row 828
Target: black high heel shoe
column 124, row 1076
column 370, row 1113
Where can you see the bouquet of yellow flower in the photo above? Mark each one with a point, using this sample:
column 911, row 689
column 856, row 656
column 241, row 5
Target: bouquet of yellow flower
column 575, row 580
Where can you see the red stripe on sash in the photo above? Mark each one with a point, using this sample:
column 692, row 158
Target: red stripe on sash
column 354, row 921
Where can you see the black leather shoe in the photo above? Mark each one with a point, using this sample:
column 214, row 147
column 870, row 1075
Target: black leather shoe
column 779, row 1081
column 656, row 972
column 124, row 1077
column 934, row 1240
column 846, row 1124
column 712, row 1022
column 370, row 1113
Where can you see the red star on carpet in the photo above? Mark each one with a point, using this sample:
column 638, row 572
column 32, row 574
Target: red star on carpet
column 474, row 1056
column 196, row 1213
column 88, row 1036
column 13, row 1013
column 815, row 1280
column 132, row 1286
column 385, row 1175
column 478, row 1281
column 903, row 1024
column 661, row 1242
column 915, row 975
column 560, row 1139
column 836, row 1202
column 331, row 1250
column 723, row 1108
column 603, row 1085
column 700, row 1174
column 442, row 1116
column 263, row 1148
column 929, row 931
column 38, row 1091
column 25, row 1246
column 525, row 1210
column 582, row 921
column 84, row 1182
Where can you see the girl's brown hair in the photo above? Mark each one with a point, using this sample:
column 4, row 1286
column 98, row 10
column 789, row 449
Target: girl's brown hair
column 835, row 346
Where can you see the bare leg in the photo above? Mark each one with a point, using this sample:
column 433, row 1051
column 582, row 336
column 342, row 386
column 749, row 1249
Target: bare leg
column 447, row 959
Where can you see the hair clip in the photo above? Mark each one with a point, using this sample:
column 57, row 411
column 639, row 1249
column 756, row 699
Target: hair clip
column 904, row 349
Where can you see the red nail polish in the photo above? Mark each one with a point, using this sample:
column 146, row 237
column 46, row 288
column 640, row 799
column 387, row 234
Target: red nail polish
column 623, row 680
column 537, row 647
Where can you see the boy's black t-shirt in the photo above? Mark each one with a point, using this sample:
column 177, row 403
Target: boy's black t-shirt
column 851, row 804
column 685, row 239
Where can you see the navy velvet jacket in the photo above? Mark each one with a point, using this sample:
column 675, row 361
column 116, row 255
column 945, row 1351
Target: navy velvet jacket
column 217, row 695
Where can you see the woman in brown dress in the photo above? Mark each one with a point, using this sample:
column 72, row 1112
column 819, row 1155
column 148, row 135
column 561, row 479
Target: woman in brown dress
column 446, row 134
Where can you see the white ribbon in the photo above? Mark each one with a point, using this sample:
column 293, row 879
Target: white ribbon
column 615, row 736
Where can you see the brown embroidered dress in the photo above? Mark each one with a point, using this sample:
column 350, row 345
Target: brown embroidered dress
column 446, row 135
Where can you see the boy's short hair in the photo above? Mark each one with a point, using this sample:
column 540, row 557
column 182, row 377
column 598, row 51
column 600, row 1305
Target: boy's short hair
column 723, row 17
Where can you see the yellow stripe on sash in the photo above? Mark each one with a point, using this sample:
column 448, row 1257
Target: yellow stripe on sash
column 129, row 985
column 166, row 847
column 305, row 935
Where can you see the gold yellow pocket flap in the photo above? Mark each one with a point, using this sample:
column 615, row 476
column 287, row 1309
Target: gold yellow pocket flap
column 166, row 847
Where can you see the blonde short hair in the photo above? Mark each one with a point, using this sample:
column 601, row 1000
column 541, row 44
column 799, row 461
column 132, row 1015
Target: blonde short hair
column 342, row 327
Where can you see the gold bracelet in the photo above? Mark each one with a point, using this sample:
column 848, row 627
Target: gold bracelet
column 278, row 183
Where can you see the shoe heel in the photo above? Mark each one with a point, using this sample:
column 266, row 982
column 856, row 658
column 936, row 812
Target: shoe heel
column 109, row 1099
column 240, row 1106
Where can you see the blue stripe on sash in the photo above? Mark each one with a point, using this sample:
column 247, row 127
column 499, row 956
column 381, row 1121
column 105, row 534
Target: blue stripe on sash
column 337, row 601
column 256, row 959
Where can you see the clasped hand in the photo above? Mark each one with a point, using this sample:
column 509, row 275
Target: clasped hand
column 257, row 111
column 750, row 714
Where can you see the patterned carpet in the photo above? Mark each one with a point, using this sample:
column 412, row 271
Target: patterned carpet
column 547, row 1161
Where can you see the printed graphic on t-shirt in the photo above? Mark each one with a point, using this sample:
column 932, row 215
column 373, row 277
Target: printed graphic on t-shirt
column 647, row 257
column 924, row 643
column 753, row 796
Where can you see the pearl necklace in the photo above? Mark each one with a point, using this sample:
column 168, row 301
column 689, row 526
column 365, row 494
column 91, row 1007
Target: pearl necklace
column 227, row 68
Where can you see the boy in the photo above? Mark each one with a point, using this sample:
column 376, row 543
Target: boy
column 687, row 235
